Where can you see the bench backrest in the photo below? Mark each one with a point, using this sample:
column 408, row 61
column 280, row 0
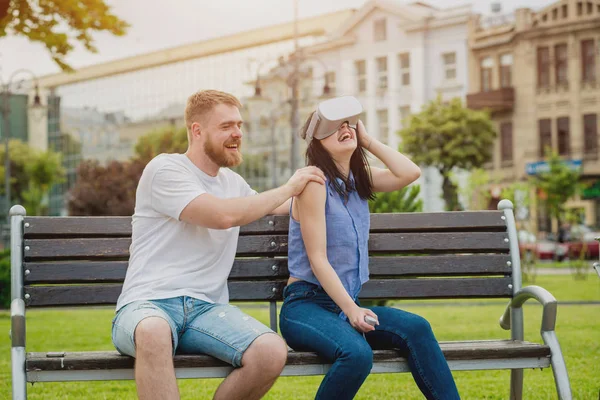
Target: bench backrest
column 70, row 261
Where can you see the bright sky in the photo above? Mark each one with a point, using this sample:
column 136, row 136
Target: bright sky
column 159, row 24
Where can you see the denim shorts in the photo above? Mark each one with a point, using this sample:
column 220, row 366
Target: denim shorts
column 198, row 327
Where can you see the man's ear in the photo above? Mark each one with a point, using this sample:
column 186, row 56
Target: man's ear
column 195, row 129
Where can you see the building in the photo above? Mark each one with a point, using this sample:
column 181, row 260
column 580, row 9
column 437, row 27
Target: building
column 539, row 74
column 394, row 57
column 109, row 106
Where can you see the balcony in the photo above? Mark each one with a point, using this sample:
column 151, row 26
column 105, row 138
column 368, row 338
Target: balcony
column 494, row 100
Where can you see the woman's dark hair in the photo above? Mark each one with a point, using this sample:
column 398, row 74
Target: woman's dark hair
column 318, row 156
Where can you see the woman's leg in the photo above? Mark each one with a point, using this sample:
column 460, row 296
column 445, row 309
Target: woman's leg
column 412, row 335
column 307, row 326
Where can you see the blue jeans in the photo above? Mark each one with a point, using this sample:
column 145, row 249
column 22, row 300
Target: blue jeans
column 197, row 327
column 310, row 321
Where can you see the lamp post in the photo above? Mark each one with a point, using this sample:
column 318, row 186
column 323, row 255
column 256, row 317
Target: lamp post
column 6, row 131
column 263, row 105
column 291, row 77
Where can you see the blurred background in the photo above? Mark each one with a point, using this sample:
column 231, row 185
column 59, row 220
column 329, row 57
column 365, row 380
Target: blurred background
column 494, row 99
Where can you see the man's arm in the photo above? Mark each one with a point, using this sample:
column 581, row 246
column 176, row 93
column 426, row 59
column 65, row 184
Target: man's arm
column 215, row 213
column 283, row 209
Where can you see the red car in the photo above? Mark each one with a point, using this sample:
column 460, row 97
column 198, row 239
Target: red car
column 532, row 248
column 582, row 239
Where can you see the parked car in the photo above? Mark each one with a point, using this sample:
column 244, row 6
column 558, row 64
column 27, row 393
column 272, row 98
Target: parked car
column 581, row 238
column 532, row 248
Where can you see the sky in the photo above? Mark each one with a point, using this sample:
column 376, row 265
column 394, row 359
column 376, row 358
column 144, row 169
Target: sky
column 160, row 24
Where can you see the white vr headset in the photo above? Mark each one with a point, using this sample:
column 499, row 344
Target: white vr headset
column 331, row 114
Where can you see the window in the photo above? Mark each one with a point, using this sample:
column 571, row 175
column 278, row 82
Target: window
column 506, row 62
column 588, row 61
column 379, row 30
column 330, row 79
column 565, row 11
column 562, row 128
column 381, row 72
column 561, row 63
column 361, row 75
column 449, row 65
column 404, row 62
column 506, row 141
column 382, row 120
column 543, row 66
column 545, row 134
column 590, row 133
column 487, row 65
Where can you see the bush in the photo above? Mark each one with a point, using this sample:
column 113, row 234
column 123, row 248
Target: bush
column 5, row 279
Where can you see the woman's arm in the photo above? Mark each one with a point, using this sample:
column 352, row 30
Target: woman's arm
column 311, row 213
column 401, row 170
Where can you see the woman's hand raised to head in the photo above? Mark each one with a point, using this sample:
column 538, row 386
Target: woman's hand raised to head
column 365, row 138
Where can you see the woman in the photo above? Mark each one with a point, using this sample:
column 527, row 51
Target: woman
column 328, row 262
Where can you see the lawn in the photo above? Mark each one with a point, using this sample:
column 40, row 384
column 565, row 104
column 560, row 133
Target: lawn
column 578, row 328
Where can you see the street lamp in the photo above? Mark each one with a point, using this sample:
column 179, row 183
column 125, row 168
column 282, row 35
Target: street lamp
column 259, row 105
column 291, row 77
column 6, row 117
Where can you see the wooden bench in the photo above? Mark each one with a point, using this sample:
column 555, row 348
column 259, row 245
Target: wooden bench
column 81, row 261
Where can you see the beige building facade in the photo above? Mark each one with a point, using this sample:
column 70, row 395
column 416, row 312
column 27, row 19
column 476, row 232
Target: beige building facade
column 539, row 75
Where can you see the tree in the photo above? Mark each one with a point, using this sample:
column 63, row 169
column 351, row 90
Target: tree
column 44, row 21
column 403, row 200
column 105, row 190
column 164, row 140
column 559, row 184
column 32, row 175
column 476, row 191
column 448, row 136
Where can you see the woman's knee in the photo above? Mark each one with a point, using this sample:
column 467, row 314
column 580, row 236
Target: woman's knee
column 359, row 358
column 419, row 327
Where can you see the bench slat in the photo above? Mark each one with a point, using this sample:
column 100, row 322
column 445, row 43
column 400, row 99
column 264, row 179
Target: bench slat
column 72, row 295
column 441, row 265
column 106, row 360
column 396, row 222
column 114, row 271
column 114, row 248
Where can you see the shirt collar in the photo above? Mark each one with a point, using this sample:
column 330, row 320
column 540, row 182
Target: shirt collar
column 350, row 181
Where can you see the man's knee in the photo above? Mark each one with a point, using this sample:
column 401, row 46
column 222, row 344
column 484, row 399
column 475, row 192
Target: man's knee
column 269, row 352
column 153, row 337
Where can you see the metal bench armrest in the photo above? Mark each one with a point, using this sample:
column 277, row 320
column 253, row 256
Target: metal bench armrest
column 540, row 294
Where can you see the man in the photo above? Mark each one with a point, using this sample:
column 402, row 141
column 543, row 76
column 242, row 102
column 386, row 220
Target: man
column 185, row 228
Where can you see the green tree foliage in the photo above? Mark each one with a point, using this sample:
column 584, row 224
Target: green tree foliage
column 448, row 136
column 164, row 140
column 558, row 185
column 32, row 175
column 403, row 200
column 476, row 191
column 45, row 22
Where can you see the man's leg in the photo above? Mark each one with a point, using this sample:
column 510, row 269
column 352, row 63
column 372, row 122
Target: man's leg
column 261, row 365
column 147, row 332
column 225, row 332
column 154, row 371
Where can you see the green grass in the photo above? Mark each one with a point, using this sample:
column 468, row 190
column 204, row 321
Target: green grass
column 577, row 330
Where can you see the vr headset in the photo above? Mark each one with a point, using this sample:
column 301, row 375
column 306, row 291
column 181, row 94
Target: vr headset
column 331, row 114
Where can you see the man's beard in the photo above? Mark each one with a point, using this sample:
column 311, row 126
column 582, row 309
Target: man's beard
column 221, row 157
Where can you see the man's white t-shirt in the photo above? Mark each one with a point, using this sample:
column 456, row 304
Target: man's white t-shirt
column 168, row 257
